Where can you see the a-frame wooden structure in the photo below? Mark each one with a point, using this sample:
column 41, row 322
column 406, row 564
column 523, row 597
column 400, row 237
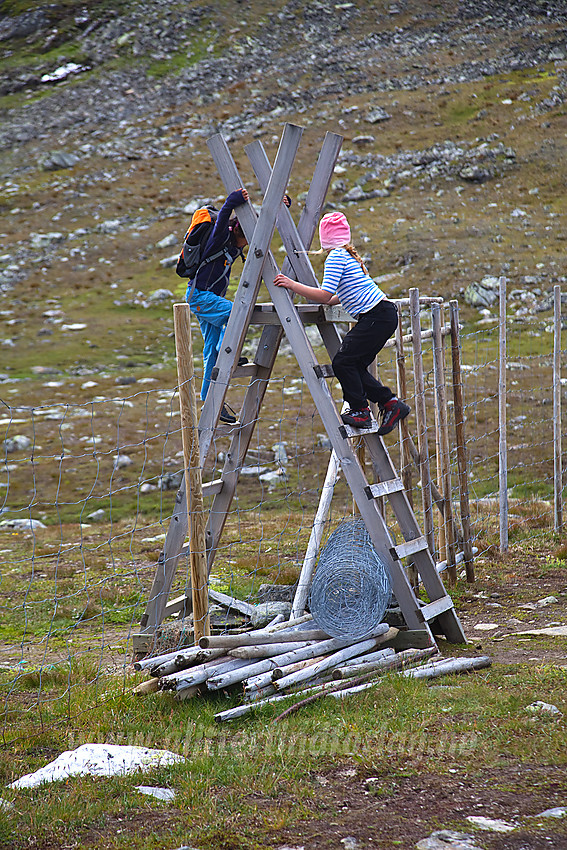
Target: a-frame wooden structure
column 279, row 318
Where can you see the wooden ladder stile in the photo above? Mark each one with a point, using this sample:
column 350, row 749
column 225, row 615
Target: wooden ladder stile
column 290, row 320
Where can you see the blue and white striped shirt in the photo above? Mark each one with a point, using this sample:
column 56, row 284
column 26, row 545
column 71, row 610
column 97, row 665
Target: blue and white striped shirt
column 343, row 275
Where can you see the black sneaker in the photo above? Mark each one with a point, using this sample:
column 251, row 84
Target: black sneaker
column 357, row 418
column 394, row 411
column 228, row 415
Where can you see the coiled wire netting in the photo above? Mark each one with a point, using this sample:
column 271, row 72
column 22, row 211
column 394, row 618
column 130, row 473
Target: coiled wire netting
column 351, row 587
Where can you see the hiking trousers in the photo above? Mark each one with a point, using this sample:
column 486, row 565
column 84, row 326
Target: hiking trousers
column 358, row 350
column 212, row 312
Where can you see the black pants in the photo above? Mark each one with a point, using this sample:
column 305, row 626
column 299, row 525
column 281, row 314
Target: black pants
column 358, row 350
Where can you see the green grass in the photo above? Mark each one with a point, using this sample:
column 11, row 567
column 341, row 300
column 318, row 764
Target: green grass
column 475, row 721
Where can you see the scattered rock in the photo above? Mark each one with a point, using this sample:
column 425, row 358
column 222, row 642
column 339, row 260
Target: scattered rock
column 97, row 516
column 489, row 824
column 122, row 461
column 160, row 295
column 539, row 707
column 167, row 795
column 170, row 481
column 56, row 160
column 482, row 294
column 266, row 611
column 376, row 115
column 557, row 812
column 22, row 524
column 18, row 443
column 446, row 839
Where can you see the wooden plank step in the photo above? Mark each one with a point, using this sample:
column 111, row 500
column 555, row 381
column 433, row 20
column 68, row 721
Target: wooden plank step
column 384, row 488
column 410, row 547
column 211, row 488
column 438, row 606
column 249, row 370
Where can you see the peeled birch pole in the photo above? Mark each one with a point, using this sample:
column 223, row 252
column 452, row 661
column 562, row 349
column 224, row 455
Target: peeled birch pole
column 266, row 650
column 462, row 466
column 557, row 458
column 421, row 421
column 309, row 561
column 370, row 656
column 183, row 661
column 447, row 666
column 193, row 478
column 232, row 641
column 502, row 437
column 327, row 664
column 391, row 662
column 257, row 683
column 444, row 464
column 320, row 648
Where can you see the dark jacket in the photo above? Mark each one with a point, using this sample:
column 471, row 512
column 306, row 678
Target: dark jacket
column 215, row 276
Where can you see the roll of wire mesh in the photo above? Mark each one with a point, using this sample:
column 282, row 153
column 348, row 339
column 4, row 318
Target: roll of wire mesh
column 351, row 587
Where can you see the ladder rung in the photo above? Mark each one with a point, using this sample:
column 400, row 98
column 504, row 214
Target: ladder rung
column 384, row 488
column 211, row 488
column 249, row 370
column 410, row 547
column 439, row 606
column 349, row 431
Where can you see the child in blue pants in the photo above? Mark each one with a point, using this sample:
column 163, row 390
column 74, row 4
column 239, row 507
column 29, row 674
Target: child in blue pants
column 207, row 296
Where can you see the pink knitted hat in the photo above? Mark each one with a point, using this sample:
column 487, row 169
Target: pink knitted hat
column 334, row 230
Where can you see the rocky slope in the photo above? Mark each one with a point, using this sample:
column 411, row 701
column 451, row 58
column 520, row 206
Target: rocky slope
column 453, row 117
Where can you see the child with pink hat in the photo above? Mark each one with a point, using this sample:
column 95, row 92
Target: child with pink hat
column 346, row 281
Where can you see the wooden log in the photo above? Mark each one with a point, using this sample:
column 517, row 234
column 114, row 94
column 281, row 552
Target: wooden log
column 256, row 639
column 371, row 656
column 448, row 666
column 421, row 421
column 462, row 465
column 150, row 686
column 393, row 662
column 266, row 650
column 156, row 660
column 193, row 479
column 199, row 674
column 266, row 664
column 255, row 683
column 327, row 664
column 230, row 603
column 184, row 660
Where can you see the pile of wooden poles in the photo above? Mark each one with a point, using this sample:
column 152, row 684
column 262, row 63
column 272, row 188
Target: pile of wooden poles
column 290, row 658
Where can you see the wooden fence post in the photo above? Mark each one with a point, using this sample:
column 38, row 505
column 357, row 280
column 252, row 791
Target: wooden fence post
column 462, row 471
column 502, row 440
column 192, row 464
column 444, row 466
column 421, row 421
column 557, row 459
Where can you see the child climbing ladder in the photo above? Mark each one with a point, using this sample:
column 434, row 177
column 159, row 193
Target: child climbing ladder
column 346, row 281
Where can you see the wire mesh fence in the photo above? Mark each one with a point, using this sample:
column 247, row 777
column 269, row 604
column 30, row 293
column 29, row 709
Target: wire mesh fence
column 87, row 490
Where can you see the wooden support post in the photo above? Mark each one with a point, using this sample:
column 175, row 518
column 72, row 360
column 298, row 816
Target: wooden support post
column 191, row 460
column 557, row 459
column 421, row 421
column 444, row 465
column 462, row 467
column 405, row 451
column 502, row 440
